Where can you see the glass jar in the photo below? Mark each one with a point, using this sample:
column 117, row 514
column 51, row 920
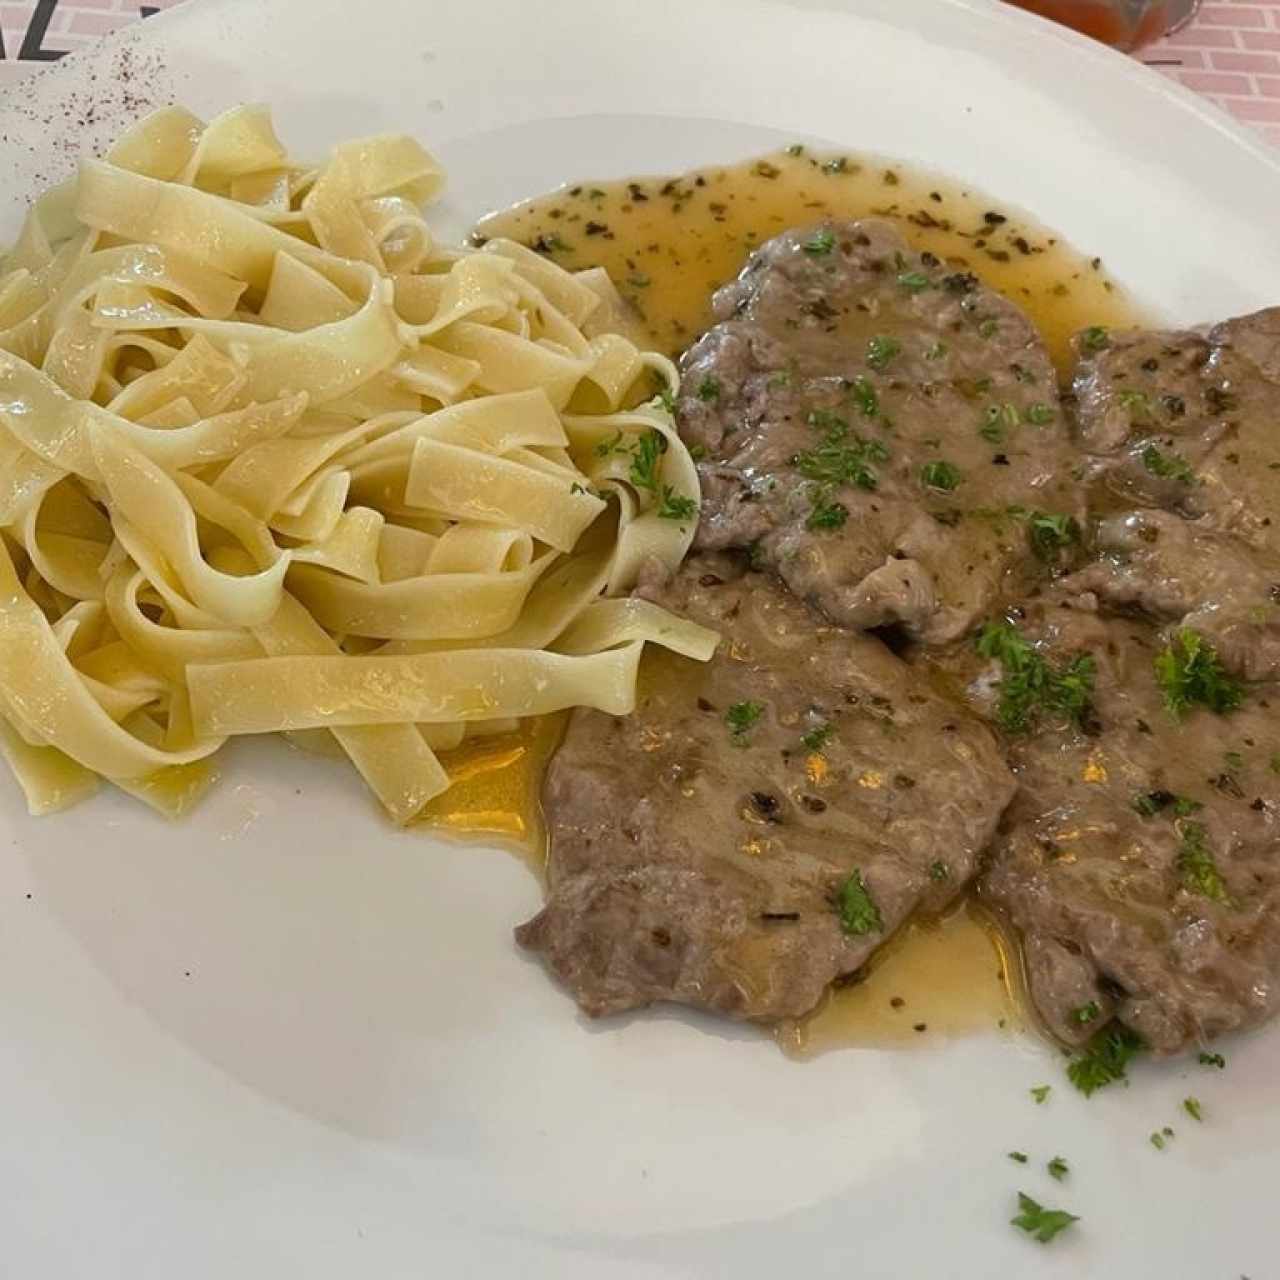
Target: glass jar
column 1123, row 24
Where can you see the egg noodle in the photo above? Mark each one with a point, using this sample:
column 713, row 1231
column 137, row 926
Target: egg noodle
column 274, row 460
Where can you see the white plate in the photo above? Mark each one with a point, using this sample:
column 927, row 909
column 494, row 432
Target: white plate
column 281, row 1040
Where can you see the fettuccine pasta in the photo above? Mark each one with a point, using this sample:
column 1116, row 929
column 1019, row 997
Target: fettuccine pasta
column 274, row 460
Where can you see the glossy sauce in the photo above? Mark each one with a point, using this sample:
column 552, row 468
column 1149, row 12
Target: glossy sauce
column 495, row 788
column 668, row 244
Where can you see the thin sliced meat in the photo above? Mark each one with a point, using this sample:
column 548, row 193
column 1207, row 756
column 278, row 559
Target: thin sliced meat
column 1188, row 422
column 870, row 418
column 1179, row 570
column 1140, row 859
column 702, row 864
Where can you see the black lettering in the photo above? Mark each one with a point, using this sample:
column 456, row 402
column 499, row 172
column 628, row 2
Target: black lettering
column 33, row 49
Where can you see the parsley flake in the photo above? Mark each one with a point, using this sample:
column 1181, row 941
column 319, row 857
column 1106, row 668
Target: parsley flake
column 1050, row 533
column 1192, row 1107
column 881, row 349
column 913, row 281
column 1086, row 1013
column 1041, row 1093
column 1197, row 868
column 709, row 390
column 1095, row 338
column 817, row 738
column 1213, row 1060
column 1149, row 803
column 864, row 396
column 1105, row 1058
column 826, row 514
column 1189, row 671
column 1019, row 1156
column 676, row 506
column 1167, row 466
column 612, row 445
column 1058, row 1168
column 820, row 243
column 1029, row 686
column 858, row 911
column 1044, row 1224
column 741, row 719
column 941, row 475
column 646, row 454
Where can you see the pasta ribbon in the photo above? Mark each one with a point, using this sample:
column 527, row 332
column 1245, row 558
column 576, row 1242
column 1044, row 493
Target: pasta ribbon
column 273, row 459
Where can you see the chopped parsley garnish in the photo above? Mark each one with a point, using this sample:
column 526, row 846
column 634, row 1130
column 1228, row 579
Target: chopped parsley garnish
column 998, row 420
column 1137, row 402
column 1105, row 1058
column 941, row 475
column 992, row 430
column 988, row 328
column 1050, row 533
column 612, row 445
column 858, row 911
column 936, row 352
column 1044, row 1224
column 1086, row 1013
column 817, row 738
column 1058, row 1168
column 1213, row 1060
column 825, row 420
column 864, row 396
column 666, row 397
column 1040, row 415
column 1041, row 1093
column 913, row 281
column 709, row 390
column 939, row 871
column 1019, row 1156
column 826, row 514
column 676, row 506
column 780, row 379
column 697, row 452
column 1149, row 803
column 1030, row 686
column 1158, row 1140
column 1189, row 671
column 1095, row 338
column 741, row 719
column 1192, row 1107
column 843, row 457
column 820, row 243
column 1168, row 466
column 646, row 454
column 881, row 349
column 1197, row 868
